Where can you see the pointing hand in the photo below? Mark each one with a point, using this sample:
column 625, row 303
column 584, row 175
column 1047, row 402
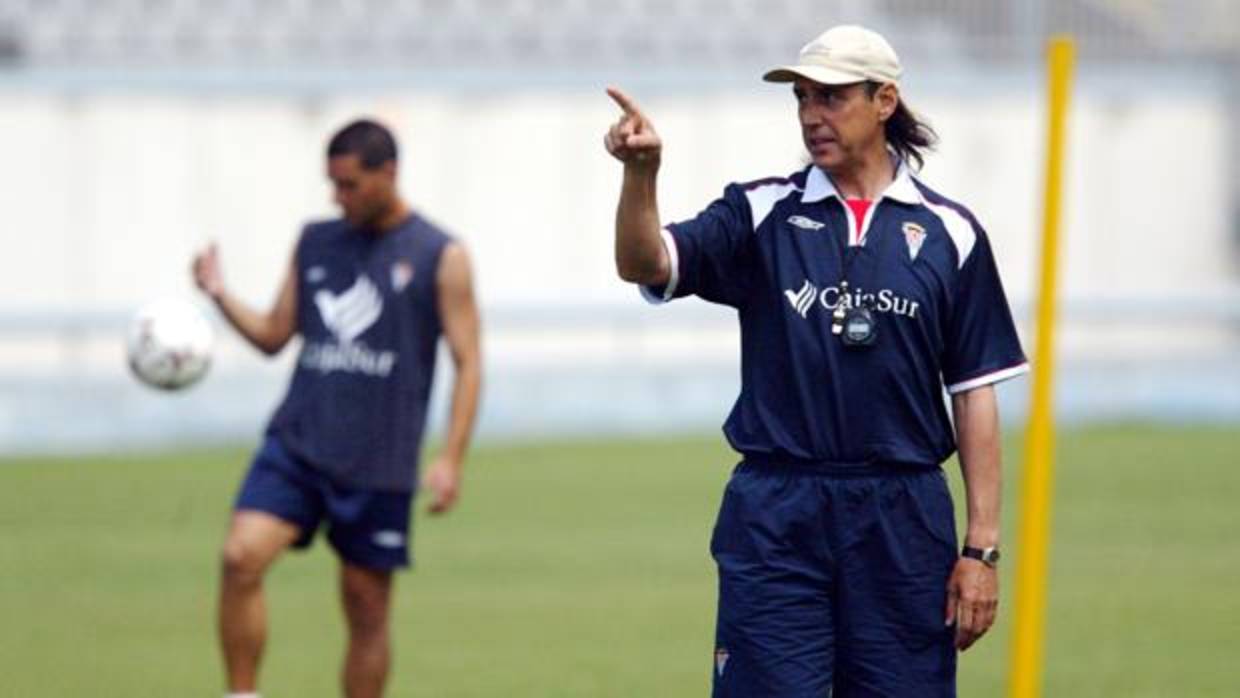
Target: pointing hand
column 632, row 139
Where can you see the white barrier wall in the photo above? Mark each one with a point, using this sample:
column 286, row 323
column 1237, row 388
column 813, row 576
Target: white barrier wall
column 106, row 195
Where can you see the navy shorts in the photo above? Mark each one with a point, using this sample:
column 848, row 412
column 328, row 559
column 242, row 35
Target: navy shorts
column 834, row 585
column 367, row 528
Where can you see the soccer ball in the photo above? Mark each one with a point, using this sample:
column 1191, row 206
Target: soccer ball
column 169, row 344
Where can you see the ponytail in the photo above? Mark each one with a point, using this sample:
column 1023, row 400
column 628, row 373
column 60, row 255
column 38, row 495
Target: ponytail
column 907, row 135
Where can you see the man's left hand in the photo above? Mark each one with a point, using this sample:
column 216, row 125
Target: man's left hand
column 972, row 600
column 443, row 479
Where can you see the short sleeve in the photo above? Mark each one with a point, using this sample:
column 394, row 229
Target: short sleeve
column 710, row 253
column 981, row 346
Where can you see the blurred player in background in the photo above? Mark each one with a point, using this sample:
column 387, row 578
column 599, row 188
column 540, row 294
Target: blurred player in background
column 370, row 294
column 861, row 294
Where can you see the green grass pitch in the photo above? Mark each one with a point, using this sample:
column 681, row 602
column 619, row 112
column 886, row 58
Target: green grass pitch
column 579, row 568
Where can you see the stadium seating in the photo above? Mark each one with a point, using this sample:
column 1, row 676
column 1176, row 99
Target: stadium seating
column 481, row 33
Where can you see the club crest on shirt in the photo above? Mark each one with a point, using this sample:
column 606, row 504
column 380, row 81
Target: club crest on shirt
column 402, row 274
column 914, row 235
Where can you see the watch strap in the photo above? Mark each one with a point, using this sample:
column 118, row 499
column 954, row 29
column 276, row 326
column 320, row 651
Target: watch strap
column 988, row 556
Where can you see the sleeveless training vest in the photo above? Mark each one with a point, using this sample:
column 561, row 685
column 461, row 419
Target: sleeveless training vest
column 368, row 315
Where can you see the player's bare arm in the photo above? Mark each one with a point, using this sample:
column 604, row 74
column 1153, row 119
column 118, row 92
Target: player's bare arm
column 973, row 591
column 269, row 331
column 458, row 311
column 640, row 255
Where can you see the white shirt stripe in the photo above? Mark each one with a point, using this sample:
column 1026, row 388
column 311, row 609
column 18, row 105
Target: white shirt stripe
column 673, row 259
column 763, row 198
column 959, row 229
column 988, row 379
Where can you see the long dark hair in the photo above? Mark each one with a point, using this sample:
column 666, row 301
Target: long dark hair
column 907, row 134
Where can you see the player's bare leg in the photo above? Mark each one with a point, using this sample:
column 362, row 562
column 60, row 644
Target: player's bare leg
column 366, row 594
column 255, row 539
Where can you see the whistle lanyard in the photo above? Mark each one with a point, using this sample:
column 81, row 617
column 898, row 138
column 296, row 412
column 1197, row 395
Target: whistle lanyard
column 849, row 255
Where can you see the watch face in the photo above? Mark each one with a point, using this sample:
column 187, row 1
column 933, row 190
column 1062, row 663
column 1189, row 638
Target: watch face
column 990, row 556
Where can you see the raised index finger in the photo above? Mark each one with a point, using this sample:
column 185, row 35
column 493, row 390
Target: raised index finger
column 626, row 102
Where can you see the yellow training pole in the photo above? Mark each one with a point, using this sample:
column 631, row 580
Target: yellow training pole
column 1035, row 506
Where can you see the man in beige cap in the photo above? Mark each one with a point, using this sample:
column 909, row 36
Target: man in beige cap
column 862, row 294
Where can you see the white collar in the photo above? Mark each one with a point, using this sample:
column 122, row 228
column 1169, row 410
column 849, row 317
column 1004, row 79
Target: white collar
column 818, row 186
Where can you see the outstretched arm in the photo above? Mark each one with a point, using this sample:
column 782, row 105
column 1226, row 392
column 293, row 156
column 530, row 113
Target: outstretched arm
column 268, row 331
column 973, row 591
column 459, row 314
column 640, row 255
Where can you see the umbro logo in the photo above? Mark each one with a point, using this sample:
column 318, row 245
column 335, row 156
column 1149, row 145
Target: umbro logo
column 806, row 223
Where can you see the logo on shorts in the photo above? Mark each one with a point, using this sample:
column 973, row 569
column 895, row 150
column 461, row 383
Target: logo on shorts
column 721, row 660
column 388, row 539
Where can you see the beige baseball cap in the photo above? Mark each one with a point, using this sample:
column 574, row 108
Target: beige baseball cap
column 843, row 55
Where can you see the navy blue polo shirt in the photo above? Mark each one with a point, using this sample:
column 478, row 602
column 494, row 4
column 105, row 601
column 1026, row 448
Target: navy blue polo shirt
column 777, row 251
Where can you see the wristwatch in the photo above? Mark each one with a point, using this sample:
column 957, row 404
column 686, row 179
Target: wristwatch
column 987, row 556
